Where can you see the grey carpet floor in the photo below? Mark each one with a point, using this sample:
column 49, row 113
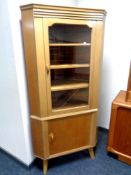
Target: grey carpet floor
column 74, row 164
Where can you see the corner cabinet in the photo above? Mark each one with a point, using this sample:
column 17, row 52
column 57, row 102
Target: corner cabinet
column 63, row 50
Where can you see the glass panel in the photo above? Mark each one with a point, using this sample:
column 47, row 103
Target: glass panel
column 69, row 55
column 63, row 33
column 67, row 76
column 70, row 49
column 69, row 98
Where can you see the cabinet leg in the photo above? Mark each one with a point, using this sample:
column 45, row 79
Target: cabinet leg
column 91, row 152
column 45, row 166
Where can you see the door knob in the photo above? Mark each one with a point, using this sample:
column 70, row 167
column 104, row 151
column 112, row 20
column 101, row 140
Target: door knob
column 51, row 136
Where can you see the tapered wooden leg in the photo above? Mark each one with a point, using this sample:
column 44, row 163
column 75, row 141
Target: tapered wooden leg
column 45, row 166
column 91, row 152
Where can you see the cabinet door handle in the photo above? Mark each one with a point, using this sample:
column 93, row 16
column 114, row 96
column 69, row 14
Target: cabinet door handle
column 51, row 136
column 47, row 68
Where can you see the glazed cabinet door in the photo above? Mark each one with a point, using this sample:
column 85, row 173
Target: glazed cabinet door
column 69, row 58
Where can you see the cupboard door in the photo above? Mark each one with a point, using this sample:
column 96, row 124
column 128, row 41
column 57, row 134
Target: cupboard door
column 69, row 133
column 68, row 57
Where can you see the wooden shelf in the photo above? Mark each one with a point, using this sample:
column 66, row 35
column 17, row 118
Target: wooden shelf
column 69, row 86
column 71, row 104
column 69, row 44
column 66, row 66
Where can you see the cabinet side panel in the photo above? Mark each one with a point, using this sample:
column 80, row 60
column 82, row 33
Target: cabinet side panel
column 41, row 64
column 30, row 61
column 97, row 51
column 112, row 125
column 93, row 129
column 37, row 137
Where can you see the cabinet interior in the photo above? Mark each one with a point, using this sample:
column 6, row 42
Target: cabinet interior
column 69, row 48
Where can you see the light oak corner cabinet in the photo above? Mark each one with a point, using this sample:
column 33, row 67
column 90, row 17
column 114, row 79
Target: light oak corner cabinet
column 63, row 51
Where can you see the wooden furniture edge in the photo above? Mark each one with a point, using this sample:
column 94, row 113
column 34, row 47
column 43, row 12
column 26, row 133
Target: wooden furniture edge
column 112, row 150
column 118, row 103
column 124, row 159
column 63, row 115
column 128, row 92
column 55, row 7
column 70, row 151
column 122, row 105
column 128, row 96
column 66, row 152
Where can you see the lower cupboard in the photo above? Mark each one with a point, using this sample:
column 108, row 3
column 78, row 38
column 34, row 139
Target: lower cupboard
column 56, row 137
